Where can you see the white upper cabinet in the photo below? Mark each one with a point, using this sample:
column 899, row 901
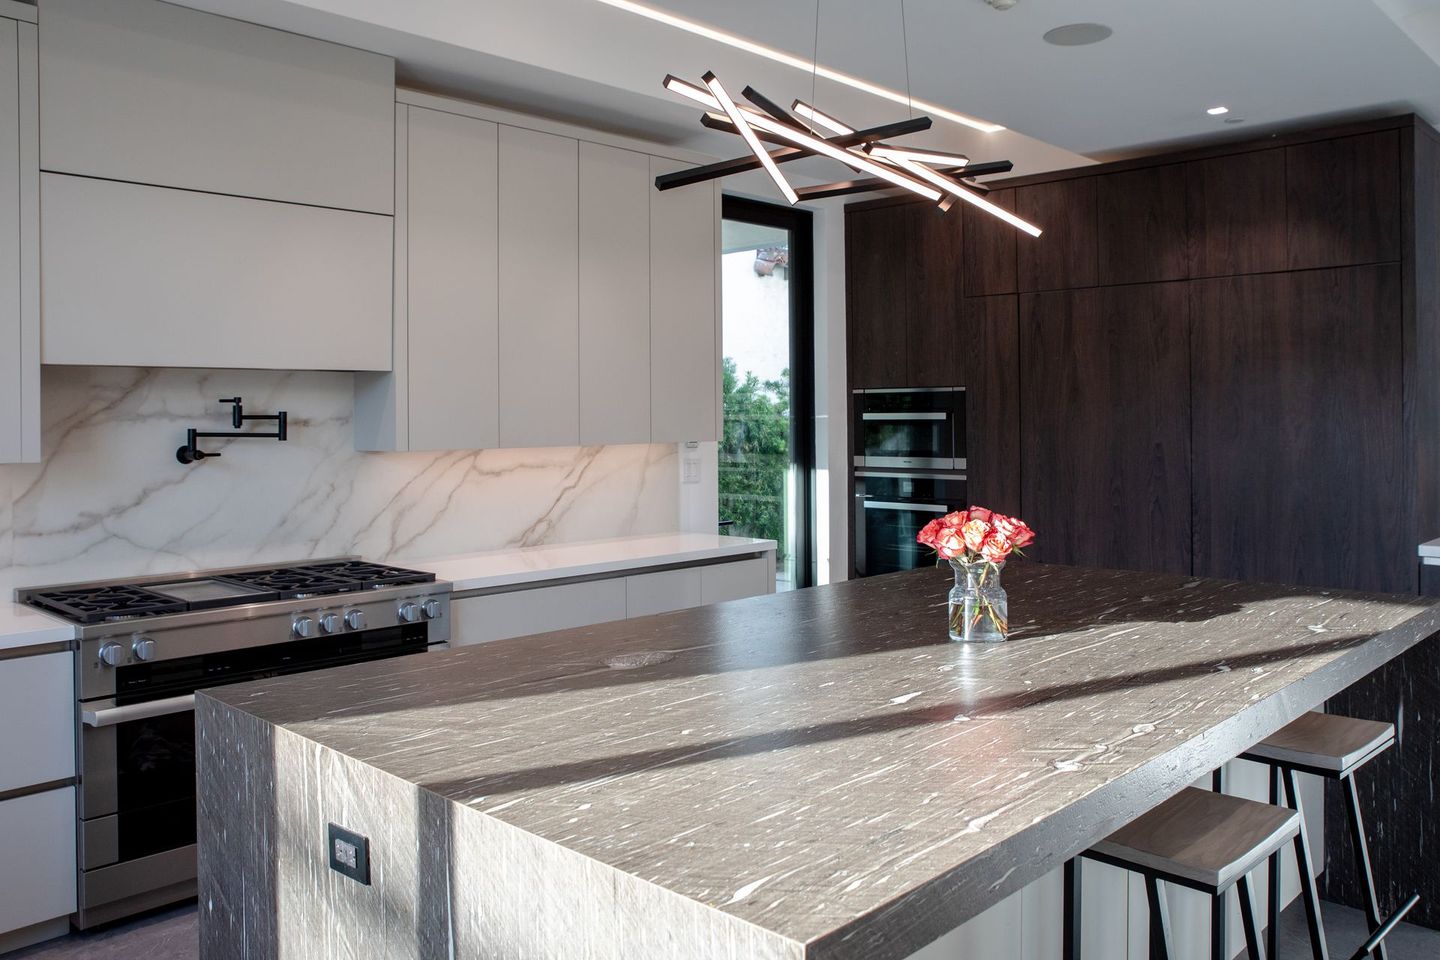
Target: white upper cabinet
column 539, row 295
column 615, row 193
column 144, row 276
column 155, row 93
column 444, row 393
column 19, row 246
column 684, row 333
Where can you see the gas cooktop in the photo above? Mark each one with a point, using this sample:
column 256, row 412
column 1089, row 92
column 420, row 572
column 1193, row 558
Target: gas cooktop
column 114, row 601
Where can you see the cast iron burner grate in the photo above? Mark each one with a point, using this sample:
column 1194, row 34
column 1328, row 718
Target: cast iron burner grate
column 100, row 604
column 371, row 576
column 294, row 583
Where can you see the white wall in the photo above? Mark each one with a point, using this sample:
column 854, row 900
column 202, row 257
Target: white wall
column 110, row 500
column 832, row 488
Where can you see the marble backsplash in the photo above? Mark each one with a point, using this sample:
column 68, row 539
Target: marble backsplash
column 110, row 500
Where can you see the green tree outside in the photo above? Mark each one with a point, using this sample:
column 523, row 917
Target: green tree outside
column 755, row 455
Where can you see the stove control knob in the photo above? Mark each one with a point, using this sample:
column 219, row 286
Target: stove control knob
column 410, row 611
column 330, row 623
column 143, row 648
column 303, row 627
column 355, row 619
column 431, row 609
column 112, row 654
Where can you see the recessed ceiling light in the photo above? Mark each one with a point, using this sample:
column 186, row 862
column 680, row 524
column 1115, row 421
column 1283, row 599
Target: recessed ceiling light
column 1216, row 111
column 1078, row 34
column 1234, row 119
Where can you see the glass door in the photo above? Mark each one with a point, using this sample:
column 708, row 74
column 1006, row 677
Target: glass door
column 767, row 452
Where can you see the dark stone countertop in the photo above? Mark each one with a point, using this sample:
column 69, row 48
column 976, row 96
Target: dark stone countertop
column 823, row 764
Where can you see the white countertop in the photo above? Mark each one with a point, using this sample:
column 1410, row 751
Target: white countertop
column 501, row 568
column 1430, row 549
column 22, row 626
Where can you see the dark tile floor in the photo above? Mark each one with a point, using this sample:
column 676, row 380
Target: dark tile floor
column 170, row 935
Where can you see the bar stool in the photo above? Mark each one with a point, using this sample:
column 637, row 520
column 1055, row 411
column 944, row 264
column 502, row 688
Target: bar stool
column 1198, row 839
column 1333, row 747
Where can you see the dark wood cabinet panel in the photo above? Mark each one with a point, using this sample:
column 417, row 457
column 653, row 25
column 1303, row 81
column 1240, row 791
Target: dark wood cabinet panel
column 1105, row 426
column 1236, row 211
column 989, row 355
column 1141, row 225
column 933, row 316
column 1297, row 429
column 990, row 247
column 1063, row 257
column 1343, row 201
column 877, row 267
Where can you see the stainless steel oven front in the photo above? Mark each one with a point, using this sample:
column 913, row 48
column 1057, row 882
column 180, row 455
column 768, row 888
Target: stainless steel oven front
column 890, row 509
column 136, row 753
column 910, row 428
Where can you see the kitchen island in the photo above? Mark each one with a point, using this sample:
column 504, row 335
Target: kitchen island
column 809, row 774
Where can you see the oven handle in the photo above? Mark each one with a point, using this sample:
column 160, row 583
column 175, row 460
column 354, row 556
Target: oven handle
column 904, row 416
column 109, row 716
column 915, row 507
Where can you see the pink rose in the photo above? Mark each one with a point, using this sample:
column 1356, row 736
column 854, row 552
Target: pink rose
column 995, row 549
column 975, row 532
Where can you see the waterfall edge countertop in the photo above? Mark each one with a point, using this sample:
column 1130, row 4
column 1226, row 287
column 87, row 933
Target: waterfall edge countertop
column 809, row 774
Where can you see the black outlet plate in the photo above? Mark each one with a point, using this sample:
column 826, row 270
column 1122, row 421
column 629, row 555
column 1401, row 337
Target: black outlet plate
column 349, row 853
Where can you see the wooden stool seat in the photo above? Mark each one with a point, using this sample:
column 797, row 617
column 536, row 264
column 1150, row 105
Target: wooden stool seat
column 1203, row 839
column 1324, row 743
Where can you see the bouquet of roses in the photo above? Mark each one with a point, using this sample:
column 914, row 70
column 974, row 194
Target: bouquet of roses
column 976, row 535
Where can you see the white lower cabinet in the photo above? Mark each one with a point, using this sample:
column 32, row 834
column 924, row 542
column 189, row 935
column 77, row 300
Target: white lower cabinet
column 37, row 696
column 662, row 592
column 37, row 859
column 499, row 616
column 736, row 581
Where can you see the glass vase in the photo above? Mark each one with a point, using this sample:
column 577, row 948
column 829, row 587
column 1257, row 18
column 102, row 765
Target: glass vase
column 979, row 608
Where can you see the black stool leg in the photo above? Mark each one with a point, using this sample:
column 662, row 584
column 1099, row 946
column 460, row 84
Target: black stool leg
column 1272, row 927
column 1308, row 893
column 1219, row 917
column 1070, row 937
column 1247, row 917
column 1159, row 920
column 1362, row 859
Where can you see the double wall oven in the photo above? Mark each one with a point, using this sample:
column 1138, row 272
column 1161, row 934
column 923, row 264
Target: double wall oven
column 146, row 646
column 910, row 467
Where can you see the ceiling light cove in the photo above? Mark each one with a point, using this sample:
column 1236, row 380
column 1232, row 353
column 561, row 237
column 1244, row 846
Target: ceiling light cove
column 799, row 63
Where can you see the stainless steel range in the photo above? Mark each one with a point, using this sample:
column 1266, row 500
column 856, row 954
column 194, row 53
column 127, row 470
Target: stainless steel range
column 146, row 645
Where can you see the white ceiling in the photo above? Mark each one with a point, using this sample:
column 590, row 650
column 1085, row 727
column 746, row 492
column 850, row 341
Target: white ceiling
column 1277, row 64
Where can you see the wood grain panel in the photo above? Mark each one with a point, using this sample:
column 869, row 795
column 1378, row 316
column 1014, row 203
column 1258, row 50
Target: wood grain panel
column 1141, row 225
column 933, row 315
column 989, row 354
column 877, row 267
column 1297, row 434
column 1064, row 256
column 1235, row 207
column 1343, row 201
column 1105, row 426
column 990, row 245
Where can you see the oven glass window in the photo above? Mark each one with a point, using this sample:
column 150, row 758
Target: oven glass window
column 910, row 439
column 155, row 783
column 890, row 539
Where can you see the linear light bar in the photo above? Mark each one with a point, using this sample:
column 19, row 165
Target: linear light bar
column 820, row 119
column 717, row 90
column 786, row 132
column 918, row 156
column 970, row 197
column 790, row 60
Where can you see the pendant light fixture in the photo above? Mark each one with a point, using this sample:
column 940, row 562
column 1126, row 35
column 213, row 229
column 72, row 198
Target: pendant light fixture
column 806, row 131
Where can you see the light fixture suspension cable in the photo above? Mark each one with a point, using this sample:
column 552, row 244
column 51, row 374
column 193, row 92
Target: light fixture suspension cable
column 815, row 55
column 905, row 44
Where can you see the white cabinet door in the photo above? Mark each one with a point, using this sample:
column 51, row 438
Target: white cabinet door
column 37, row 707
column 453, row 370
column 539, row 299
column 735, row 581
column 146, row 276
column 500, row 616
column 684, row 333
column 615, row 188
column 37, row 858
column 155, row 93
column 661, row 592
column 19, row 247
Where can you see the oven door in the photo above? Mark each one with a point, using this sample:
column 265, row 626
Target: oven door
column 910, row 428
column 890, row 509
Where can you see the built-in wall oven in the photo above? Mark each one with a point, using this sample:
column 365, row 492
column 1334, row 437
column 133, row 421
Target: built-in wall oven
column 146, row 646
column 890, row 509
column 910, row 428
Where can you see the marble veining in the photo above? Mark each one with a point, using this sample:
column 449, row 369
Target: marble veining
column 109, row 499
column 819, row 766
